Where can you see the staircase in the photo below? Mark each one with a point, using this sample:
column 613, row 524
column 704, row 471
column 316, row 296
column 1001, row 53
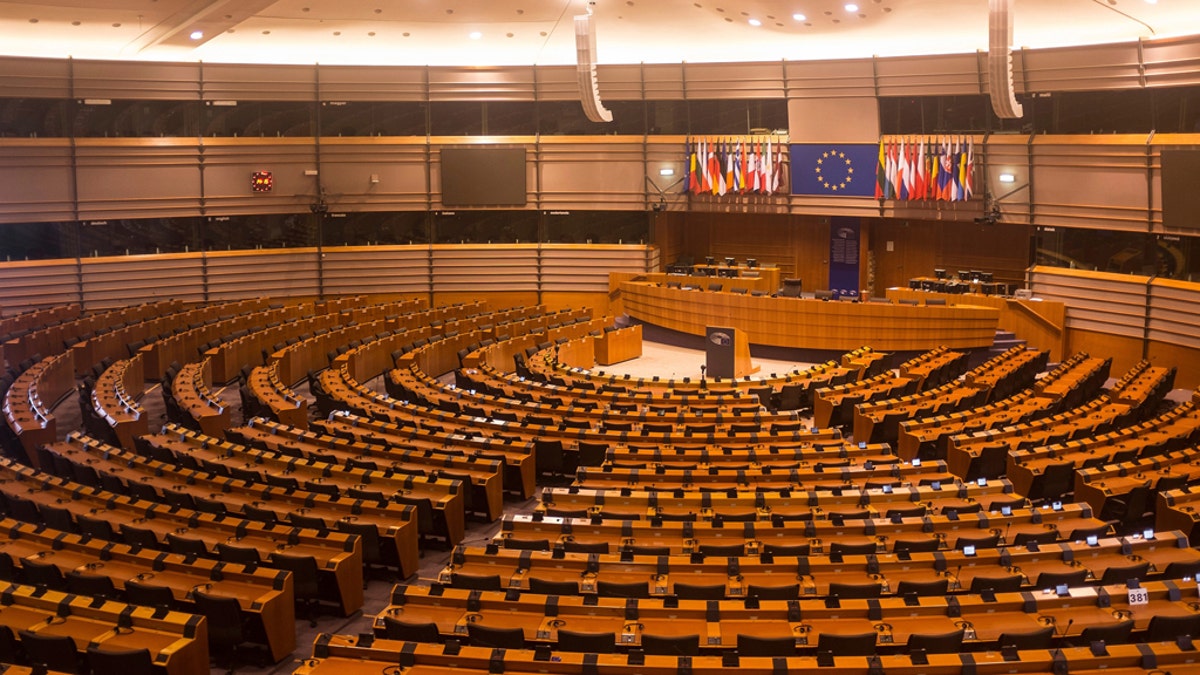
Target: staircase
column 1005, row 340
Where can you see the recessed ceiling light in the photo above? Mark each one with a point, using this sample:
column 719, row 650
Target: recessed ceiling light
column 799, row 17
column 755, row 22
column 197, row 35
column 371, row 34
column 475, row 35
column 76, row 23
column 116, row 25
column 33, row 21
column 851, row 7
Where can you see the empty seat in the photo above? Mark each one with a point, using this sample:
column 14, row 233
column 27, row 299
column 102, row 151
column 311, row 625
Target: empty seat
column 671, row 645
column 592, row 643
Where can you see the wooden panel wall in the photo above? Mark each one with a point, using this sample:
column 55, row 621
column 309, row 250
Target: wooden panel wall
column 919, row 247
column 1128, row 317
column 797, row 245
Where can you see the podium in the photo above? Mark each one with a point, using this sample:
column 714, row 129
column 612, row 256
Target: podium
column 727, row 352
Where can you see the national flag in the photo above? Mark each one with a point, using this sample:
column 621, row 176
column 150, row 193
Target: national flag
column 892, row 168
column 969, row 171
column 920, row 185
column 935, row 169
column 692, row 184
column 956, row 172
column 944, row 177
column 751, row 169
column 730, row 171
column 714, row 168
column 777, row 169
column 767, row 170
column 881, row 171
column 901, row 170
column 834, row 169
column 722, row 184
column 739, row 160
column 745, row 157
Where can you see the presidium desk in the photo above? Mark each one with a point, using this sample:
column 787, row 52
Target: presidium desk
column 808, row 323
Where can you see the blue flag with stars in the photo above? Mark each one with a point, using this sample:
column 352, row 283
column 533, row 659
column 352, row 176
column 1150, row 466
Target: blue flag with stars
column 834, row 169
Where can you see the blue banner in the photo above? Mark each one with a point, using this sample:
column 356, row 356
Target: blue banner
column 834, row 169
column 843, row 256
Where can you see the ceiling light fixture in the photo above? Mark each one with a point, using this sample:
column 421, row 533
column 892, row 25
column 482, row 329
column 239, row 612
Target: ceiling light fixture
column 799, row 17
column 1007, row 178
column 755, row 22
column 475, row 35
column 851, row 7
column 197, row 35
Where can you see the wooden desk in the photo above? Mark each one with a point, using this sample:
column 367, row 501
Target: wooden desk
column 763, row 505
column 115, row 397
column 810, row 536
column 396, row 523
column 351, row 655
column 812, row 324
column 720, row 622
column 177, row 642
column 265, row 595
column 485, row 475
column 1042, row 324
column 1081, row 375
column 338, row 556
column 618, row 345
column 813, row 574
column 30, row 401
column 830, row 474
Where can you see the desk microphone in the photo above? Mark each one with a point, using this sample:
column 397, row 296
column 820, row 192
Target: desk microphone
column 1007, row 528
column 957, row 583
column 1066, row 631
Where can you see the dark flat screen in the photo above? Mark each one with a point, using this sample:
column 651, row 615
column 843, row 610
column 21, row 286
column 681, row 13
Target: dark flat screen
column 483, row 176
column 1180, row 198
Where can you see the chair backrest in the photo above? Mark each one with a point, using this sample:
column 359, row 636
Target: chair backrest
column 788, row 592
column 1042, row 638
column 224, row 615
column 592, row 643
column 553, row 586
column 671, row 645
column 54, row 652
column 148, row 595
column 1165, row 628
column 616, row 589
column 937, row 643
column 497, row 638
column 44, row 575
column 93, row 585
column 854, row 644
column 397, row 629
column 95, row 527
column 751, row 645
column 305, row 573
column 477, row 582
column 849, row 591
column 791, row 288
column 700, row 591
column 123, row 662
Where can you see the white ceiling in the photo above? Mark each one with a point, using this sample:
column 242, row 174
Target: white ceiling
column 418, row 32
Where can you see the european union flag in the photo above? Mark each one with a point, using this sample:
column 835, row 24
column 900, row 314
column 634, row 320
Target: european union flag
column 834, row 169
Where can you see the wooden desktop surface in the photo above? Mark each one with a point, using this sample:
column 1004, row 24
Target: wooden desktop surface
column 812, row 324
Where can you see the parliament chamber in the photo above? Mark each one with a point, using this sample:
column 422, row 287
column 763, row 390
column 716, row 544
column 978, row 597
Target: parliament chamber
column 290, row 387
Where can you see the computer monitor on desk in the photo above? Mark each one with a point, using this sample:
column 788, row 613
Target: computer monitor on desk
column 751, row 262
column 709, row 260
column 986, row 277
column 939, row 273
column 730, row 262
column 964, row 275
